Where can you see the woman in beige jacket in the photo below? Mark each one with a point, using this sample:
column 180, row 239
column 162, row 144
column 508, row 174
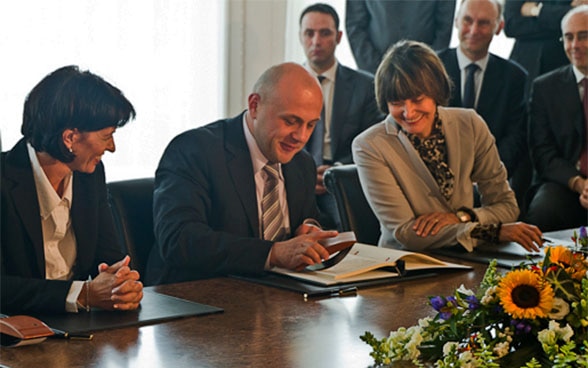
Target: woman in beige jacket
column 419, row 166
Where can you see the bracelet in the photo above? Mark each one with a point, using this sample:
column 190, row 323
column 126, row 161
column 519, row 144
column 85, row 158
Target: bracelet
column 87, row 284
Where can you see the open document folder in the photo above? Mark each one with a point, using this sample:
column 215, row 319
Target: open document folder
column 367, row 262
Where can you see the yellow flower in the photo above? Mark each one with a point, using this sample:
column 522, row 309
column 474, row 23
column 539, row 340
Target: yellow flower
column 561, row 255
column 523, row 294
column 574, row 264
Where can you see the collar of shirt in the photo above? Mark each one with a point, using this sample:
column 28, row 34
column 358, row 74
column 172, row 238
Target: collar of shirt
column 48, row 197
column 330, row 74
column 578, row 74
column 463, row 61
column 257, row 157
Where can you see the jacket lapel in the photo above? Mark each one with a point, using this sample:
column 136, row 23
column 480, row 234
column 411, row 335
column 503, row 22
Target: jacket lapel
column 491, row 88
column 341, row 99
column 239, row 166
column 420, row 169
column 19, row 171
column 452, row 67
column 570, row 96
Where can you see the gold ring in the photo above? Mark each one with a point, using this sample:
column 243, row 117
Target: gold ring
column 436, row 220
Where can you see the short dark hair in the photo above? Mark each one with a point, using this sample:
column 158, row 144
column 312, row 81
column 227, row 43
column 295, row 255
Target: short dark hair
column 71, row 99
column 410, row 69
column 321, row 8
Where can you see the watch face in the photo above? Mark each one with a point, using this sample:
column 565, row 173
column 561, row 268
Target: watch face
column 462, row 216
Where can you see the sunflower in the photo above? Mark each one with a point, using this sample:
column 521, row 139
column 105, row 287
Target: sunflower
column 560, row 255
column 523, row 294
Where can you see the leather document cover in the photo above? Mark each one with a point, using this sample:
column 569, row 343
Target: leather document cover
column 507, row 255
column 155, row 308
column 309, row 289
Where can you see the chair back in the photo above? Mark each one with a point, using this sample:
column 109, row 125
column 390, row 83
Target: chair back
column 131, row 202
column 354, row 210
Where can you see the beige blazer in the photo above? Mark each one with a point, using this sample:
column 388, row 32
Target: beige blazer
column 399, row 187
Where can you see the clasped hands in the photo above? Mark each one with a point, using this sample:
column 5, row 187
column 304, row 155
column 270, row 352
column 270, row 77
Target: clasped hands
column 303, row 249
column 116, row 287
column 528, row 236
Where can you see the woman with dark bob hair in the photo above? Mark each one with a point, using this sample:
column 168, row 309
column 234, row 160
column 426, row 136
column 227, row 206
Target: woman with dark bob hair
column 57, row 228
column 418, row 167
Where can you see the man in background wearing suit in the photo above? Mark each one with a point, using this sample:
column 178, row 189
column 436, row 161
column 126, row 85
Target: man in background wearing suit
column 495, row 88
column 375, row 25
column 349, row 103
column 237, row 196
column 535, row 26
column 557, row 133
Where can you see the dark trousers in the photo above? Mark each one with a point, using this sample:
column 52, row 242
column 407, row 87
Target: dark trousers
column 556, row 207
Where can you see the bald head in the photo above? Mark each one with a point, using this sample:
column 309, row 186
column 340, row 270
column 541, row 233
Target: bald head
column 284, row 107
column 285, row 73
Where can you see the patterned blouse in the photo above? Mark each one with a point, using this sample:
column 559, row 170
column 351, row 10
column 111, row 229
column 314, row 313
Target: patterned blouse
column 433, row 152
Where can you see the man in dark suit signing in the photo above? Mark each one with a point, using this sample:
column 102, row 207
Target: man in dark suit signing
column 349, row 103
column 237, row 196
column 491, row 85
column 557, row 133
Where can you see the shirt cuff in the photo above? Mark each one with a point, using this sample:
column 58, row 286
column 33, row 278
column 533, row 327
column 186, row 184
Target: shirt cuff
column 71, row 302
column 464, row 238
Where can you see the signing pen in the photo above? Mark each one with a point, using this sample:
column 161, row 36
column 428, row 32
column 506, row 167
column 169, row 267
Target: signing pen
column 70, row 336
column 352, row 291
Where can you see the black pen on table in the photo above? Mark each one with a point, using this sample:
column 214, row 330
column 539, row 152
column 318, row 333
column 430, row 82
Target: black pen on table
column 352, row 291
column 71, row 336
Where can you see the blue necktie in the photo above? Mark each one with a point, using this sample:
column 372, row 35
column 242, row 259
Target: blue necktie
column 469, row 91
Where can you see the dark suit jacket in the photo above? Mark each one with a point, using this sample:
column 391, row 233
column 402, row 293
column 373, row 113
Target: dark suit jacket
column 375, row 25
column 354, row 110
column 556, row 126
column 501, row 104
column 23, row 285
column 537, row 47
column 205, row 206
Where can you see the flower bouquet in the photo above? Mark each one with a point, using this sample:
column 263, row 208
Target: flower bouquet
column 535, row 315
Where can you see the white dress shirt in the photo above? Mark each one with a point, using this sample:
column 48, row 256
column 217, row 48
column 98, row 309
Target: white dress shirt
column 328, row 88
column 59, row 242
column 463, row 61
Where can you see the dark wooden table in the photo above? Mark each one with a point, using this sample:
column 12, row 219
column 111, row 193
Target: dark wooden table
column 261, row 327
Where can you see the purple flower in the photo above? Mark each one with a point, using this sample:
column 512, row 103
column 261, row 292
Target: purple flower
column 473, row 302
column 520, row 326
column 583, row 232
column 445, row 306
column 438, row 302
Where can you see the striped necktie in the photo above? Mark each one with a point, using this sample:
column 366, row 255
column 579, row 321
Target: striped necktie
column 272, row 218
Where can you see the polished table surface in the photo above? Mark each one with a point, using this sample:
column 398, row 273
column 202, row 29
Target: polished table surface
column 261, row 326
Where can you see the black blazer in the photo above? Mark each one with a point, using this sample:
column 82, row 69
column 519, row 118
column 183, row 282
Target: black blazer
column 354, row 110
column 205, row 206
column 557, row 130
column 537, row 47
column 375, row 25
column 501, row 104
column 23, row 285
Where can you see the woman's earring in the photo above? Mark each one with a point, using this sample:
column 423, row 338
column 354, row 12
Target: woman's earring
column 70, row 150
